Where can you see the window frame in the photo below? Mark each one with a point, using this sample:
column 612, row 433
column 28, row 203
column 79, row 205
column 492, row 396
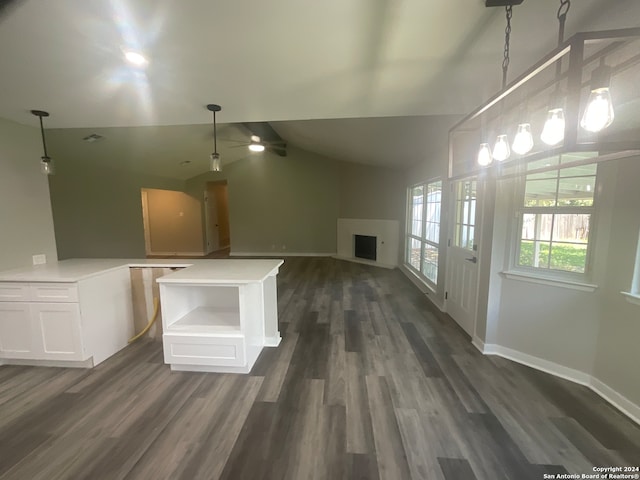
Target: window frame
column 422, row 238
column 521, row 210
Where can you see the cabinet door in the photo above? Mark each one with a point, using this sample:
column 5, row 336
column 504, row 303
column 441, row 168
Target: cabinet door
column 16, row 335
column 57, row 326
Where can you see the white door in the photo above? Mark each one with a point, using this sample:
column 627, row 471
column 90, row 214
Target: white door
column 462, row 262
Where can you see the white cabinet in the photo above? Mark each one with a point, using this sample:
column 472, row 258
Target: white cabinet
column 16, row 337
column 42, row 331
column 217, row 325
column 65, row 323
column 57, row 331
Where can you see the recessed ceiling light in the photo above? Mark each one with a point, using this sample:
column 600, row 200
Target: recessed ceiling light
column 135, row 58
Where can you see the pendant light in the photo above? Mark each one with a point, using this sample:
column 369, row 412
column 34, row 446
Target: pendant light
column 554, row 126
column 599, row 112
column 501, row 150
column 484, row 155
column 214, row 158
column 523, row 141
column 46, row 162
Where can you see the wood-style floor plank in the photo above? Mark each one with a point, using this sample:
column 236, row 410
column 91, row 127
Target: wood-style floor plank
column 369, row 382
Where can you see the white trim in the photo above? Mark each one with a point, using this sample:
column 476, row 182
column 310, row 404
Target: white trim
column 615, row 398
column 272, row 341
column 618, row 400
column 180, row 254
column 554, row 282
column 479, row 344
column 88, row 363
column 631, row 297
column 538, row 363
column 423, row 287
column 281, row 254
column 364, row 261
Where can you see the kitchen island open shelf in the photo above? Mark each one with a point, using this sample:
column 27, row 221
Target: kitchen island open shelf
column 219, row 316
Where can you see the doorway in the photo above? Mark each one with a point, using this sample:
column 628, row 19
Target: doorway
column 461, row 289
column 216, row 205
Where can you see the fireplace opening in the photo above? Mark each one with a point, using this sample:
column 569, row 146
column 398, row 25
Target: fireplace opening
column 365, row 247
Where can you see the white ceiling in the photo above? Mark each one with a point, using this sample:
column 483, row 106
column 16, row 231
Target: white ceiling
column 282, row 60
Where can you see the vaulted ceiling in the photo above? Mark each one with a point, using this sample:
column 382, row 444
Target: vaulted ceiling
column 278, row 61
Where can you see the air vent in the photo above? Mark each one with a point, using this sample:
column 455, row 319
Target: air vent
column 94, row 137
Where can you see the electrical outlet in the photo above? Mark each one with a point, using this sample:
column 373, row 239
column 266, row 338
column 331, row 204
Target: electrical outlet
column 39, row 259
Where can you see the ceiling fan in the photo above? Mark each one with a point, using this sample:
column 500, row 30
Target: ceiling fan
column 263, row 138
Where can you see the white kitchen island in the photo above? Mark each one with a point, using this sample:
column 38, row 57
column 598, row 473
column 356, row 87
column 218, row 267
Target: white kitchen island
column 79, row 312
column 217, row 317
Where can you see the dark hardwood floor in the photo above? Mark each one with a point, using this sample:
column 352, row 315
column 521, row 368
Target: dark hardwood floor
column 369, row 383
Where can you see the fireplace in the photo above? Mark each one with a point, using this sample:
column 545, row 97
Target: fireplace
column 365, row 247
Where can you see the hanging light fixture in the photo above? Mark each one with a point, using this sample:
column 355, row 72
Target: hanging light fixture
column 568, row 95
column 256, row 144
column 554, row 126
column 46, row 162
column 484, row 155
column 501, row 149
column 553, row 130
column 599, row 112
column 214, row 158
column 523, row 141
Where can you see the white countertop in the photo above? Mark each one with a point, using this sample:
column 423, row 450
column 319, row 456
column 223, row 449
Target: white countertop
column 195, row 271
column 227, row 271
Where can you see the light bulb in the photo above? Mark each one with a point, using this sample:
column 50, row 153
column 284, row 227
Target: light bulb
column 523, row 141
column 256, row 147
column 553, row 131
column 484, row 155
column 256, row 144
column 501, row 149
column 135, row 58
column 46, row 166
column 599, row 112
column 214, row 162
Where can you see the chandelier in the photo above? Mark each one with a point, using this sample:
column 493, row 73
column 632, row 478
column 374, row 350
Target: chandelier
column 583, row 96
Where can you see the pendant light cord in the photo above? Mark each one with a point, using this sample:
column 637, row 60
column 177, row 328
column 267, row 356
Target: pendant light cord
column 215, row 134
column 44, row 143
column 507, row 41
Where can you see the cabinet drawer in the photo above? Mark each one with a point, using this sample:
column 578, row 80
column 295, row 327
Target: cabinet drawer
column 14, row 292
column 54, row 292
column 222, row 351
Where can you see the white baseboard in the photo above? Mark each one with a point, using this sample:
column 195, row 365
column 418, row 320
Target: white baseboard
column 616, row 399
column 479, row 344
column 88, row 363
column 364, row 261
column 280, row 254
column 272, row 341
column 179, row 254
column 619, row 401
column 423, row 287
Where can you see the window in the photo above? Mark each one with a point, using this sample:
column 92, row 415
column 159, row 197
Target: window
column 555, row 219
column 465, row 214
column 423, row 230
